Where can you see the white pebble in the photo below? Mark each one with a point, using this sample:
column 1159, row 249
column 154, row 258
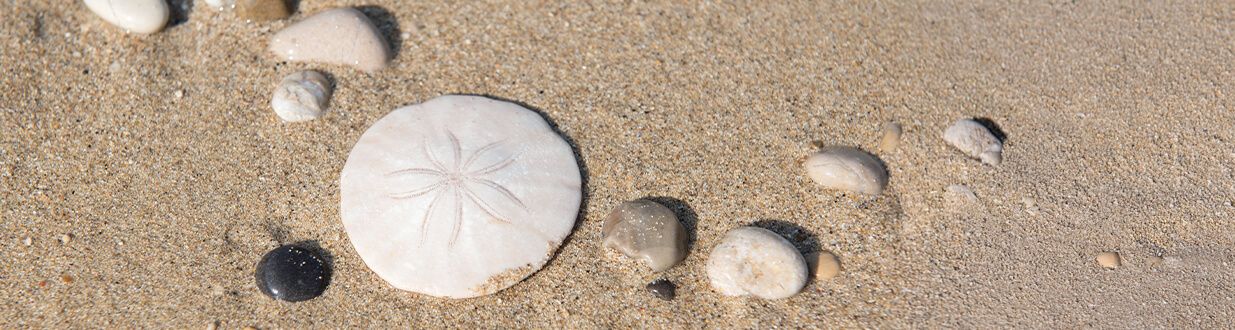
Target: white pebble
column 27, row 241
column 975, row 140
column 755, row 261
column 342, row 36
column 140, row 16
column 647, row 231
column 847, row 168
column 301, row 96
column 221, row 4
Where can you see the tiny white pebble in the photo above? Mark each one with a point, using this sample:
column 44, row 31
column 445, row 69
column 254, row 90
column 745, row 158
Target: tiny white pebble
column 179, row 93
column 27, row 241
column 975, row 140
column 301, row 96
column 66, row 238
column 405, row 35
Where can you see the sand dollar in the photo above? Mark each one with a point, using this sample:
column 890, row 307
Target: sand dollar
column 460, row 196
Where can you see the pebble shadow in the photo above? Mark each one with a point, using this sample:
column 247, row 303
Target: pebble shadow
column 180, row 10
column 994, row 128
column 685, row 214
column 388, row 24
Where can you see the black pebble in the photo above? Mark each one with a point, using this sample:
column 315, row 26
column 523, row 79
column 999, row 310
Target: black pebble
column 663, row 289
column 292, row 273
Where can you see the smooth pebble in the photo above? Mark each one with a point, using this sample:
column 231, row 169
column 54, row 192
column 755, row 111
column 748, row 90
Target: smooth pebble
column 891, row 138
column 824, row 265
column 848, row 169
column 343, row 36
column 262, row 10
column 663, row 289
column 459, row 196
column 645, row 230
column 292, row 273
column 140, row 16
column 1109, row 260
column 755, row 261
column 301, row 96
column 975, row 140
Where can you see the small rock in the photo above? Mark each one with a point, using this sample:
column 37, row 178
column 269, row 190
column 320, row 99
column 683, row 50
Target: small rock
column 301, row 96
column 220, row 4
column 292, row 273
column 342, row 36
column 976, row 140
column 140, row 16
column 663, row 289
column 66, row 279
column 891, row 138
column 646, row 230
column 66, row 238
column 755, row 261
column 179, row 93
column 27, row 241
column 849, row 169
column 1109, row 260
column 262, row 10
column 213, row 325
column 823, row 264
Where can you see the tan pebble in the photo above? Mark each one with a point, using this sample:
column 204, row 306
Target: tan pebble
column 848, row 169
column 342, row 36
column 645, row 230
column 66, row 279
column 66, row 238
column 262, row 10
column 27, row 241
column 891, row 138
column 823, row 264
column 213, row 325
column 975, row 140
column 1109, row 260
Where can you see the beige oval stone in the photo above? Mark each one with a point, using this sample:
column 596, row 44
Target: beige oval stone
column 301, row 96
column 343, row 36
column 847, row 168
column 262, row 10
column 1109, row 260
column 891, row 138
column 648, row 231
column 140, row 16
column 823, row 264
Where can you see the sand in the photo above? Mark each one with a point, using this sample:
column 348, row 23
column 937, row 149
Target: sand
column 1117, row 118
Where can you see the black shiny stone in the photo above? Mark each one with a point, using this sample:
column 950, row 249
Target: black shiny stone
column 292, row 273
column 662, row 289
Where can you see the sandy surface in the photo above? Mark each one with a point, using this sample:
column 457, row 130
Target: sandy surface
column 1118, row 117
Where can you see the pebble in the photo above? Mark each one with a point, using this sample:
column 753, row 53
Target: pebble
column 1109, row 260
column 301, row 96
column 221, row 4
column 213, row 325
column 891, row 138
column 663, row 289
column 343, row 36
column 140, row 16
column 823, row 264
column 755, row 261
column 460, row 196
column 66, row 238
column 645, row 230
column 292, row 273
column 262, row 10
column 975, row 140
column 27, row 241
column 848, row 169
column 66, row 279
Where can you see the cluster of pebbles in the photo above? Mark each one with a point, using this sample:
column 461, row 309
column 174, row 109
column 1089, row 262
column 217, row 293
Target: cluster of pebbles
column 464, row 196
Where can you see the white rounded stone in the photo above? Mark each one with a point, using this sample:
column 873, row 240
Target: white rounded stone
column 140, row 16
column 847, row 168
column 755, row 261
column 975, row 140
column 460, row 196
column 343, row 36
column 301, row 96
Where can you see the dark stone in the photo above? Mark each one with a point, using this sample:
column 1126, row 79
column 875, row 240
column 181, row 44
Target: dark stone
column 292, row 273
column 663, row 289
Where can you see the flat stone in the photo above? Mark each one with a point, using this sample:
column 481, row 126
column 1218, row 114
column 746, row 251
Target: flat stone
column 292, row 273
column 824, row 265
column 262, row 10
column 756, row 262
column 301, row 96
column 342, row 36
column 848, row 169
column 663, row 289
column 460, row 196
column 648, row 231
column 975, row 140
column 139, row 16
column 1109, row 260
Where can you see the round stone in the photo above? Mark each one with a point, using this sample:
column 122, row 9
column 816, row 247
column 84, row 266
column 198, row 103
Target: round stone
column 847, row 168
column 140, row 16
column 757, row 262
column 663, row 289
column 301, row 96
column 647, row 231
column 460, row 196
column 292, row 273
column 1109, row 260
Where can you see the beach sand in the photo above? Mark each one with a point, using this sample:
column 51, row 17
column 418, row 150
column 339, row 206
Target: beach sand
column 160, row 160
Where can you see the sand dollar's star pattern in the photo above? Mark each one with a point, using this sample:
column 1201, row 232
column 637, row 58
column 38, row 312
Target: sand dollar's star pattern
column 460, row 179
